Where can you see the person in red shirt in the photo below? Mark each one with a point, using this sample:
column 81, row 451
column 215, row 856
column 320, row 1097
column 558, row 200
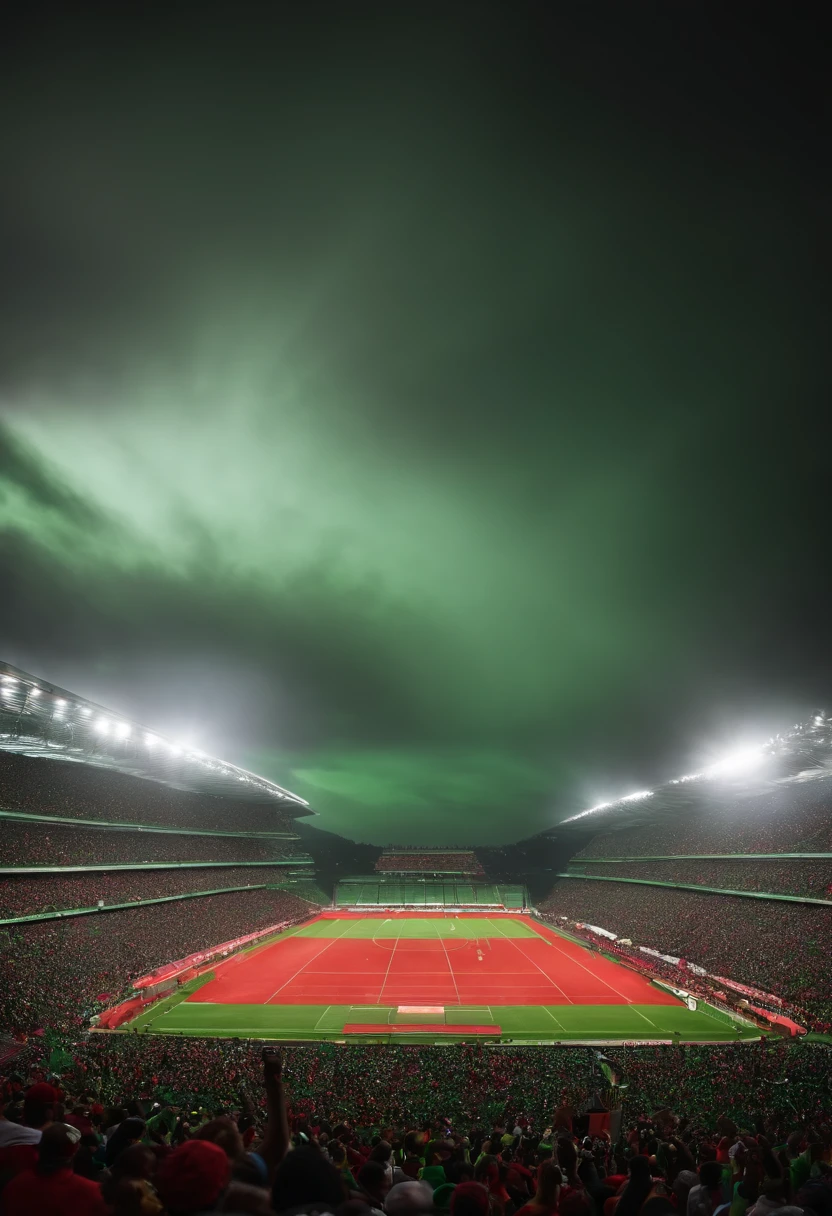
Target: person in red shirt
column 19, row 1141
column 51, row 1188
column 547, row 1195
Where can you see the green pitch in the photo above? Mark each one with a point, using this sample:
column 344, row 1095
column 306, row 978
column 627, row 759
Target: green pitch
column 420, row 928
column 328, row 979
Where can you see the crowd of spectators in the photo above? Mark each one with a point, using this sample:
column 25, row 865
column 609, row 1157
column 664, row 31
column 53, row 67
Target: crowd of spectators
column 789, row 877
column 373, row 1085
column 471, row 1132
column 782, row 948
column 57, row 973
column 429, row 863
column 25, row 895
column 81, row 791
column 791, row 819
column 48, row 844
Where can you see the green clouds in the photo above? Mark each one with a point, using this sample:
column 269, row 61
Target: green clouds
column 436, row 416
column 409, row 796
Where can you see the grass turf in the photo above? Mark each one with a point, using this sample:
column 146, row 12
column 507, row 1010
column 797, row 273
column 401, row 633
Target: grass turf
column 333, row 964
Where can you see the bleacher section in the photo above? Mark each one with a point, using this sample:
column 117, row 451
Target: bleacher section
column 428, row 893
column 401, row 860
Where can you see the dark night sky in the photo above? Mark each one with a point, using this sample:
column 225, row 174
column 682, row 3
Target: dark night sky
column 421, row 405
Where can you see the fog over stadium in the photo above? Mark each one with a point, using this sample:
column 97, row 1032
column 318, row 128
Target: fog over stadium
column 431, row 420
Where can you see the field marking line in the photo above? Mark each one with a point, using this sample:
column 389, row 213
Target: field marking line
column 534, row 964
column 644, row 1015
column 594, row 975
column 306, row 964
column 450, row 968
column 321, row 1018
column 387, row 972
column 552, row 1016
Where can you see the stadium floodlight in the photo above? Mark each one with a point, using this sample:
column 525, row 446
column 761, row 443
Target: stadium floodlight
column 123, row 730
column 737, row 762
column 102, row 726
column 9, row 680
column 34, row 692
column 175, row 750
column 602, row 806
column 86, row 711
column 60, row 701
column 149, row 740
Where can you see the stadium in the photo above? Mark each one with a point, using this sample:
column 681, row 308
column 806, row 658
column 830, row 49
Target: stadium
column 150, row 894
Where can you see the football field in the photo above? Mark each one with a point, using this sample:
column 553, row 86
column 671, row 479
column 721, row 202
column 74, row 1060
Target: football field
column 428, row 977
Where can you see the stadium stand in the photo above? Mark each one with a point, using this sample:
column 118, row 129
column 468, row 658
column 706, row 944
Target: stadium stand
column 430, row 861
column 425, row 892
column 26, row 894
column 781, row 947
column 794, row 819
column 80, row 791
column 784, row 877
column 335, row 1098
column 59, row 973
column 50, row 844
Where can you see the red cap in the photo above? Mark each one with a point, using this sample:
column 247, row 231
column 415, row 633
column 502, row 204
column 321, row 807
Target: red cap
column 193, row 1177
column 42, row 1092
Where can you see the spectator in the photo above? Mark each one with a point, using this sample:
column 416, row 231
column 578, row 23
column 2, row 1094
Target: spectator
column 193, row 1177
column 51, row 1188
column 19, row 1142
column 305, row 1178
column 547, row 1194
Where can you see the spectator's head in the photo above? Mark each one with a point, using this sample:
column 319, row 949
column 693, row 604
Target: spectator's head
column 126, row 1134
column 710, row 1174
column 470, row 1199
column 138, row 1161
column 682, row 1184
column 816, row 1197
column 337, row 1154
column 382, row 1151
column 374, row 1181
column 224, row 1132
column 39, row 1105
column 436, row 1152
column 305, row 1176
column 658, row 1205
column 575, row 1204
column 549, row 1181
column 409, row 1199
column 57, row 1148
column 193, row 1177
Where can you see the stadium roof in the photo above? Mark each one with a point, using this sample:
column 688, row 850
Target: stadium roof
column 39, row 719
column 799, row 757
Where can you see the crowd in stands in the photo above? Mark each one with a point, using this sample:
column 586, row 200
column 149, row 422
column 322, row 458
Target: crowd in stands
column 57, row 892
column 414, row 1131
column 789, row 877
column 792, row 819
column 782, row 948
column 58, row 973
column 429, row 863
column 80, row 791
column 48, row 844
column 372, row 1085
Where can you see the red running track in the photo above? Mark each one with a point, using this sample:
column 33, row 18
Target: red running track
column 544, row 970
